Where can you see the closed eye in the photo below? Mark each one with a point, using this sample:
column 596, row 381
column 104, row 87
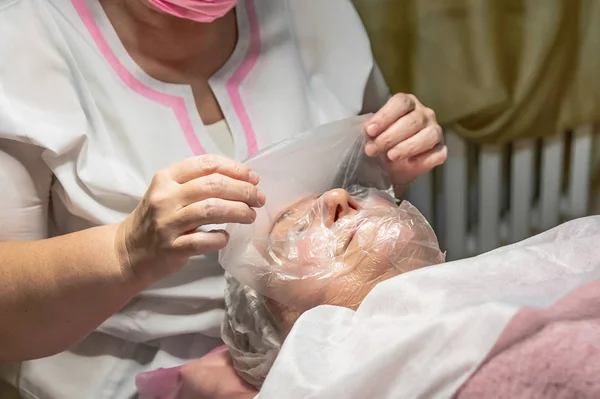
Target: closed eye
column 303, row 227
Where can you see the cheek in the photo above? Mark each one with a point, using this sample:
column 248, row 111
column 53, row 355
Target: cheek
column 350, row 290
column 363, row 271
column 377, row 242
column 301, row 253
column 306, row 252
column 313, row 248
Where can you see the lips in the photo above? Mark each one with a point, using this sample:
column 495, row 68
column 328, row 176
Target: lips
column 349, row 239
column 352, row 233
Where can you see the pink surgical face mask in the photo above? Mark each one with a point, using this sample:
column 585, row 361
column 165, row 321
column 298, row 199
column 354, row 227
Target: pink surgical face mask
column 196, row 10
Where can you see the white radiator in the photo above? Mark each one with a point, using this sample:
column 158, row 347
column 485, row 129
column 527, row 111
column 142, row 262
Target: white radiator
column 492, row 195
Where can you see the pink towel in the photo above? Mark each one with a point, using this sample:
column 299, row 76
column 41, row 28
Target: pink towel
column 551, row 353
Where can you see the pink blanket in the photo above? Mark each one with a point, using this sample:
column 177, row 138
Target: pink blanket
column 551, row 353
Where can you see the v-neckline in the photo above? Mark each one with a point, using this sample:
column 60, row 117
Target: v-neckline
column 217, row 82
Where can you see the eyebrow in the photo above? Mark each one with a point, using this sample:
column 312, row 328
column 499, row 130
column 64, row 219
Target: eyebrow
column 285, row 215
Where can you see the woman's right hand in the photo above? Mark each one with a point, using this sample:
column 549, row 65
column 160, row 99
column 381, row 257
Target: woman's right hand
column 161, row 234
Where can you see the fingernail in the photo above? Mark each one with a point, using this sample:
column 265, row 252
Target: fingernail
column 253, row 177
column 371, row 149
column 393, row 155
column 372, row 129
column 261, row 198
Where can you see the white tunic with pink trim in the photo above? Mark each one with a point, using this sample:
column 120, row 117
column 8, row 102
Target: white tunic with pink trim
column 83, row 129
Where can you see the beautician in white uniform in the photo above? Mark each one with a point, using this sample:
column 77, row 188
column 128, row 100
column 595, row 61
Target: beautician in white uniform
column 107, row 111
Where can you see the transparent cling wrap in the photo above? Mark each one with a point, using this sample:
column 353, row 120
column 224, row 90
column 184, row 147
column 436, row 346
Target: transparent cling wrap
column 308, row 230
column 329, row 233
column 347, row 244
column 319, row 244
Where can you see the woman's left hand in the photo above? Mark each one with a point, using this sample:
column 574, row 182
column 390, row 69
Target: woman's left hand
column 210, row 377
column 214, row 377
column 406, row 134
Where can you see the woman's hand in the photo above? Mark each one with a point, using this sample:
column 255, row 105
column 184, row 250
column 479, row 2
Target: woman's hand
column 214, row 377
column 406, row 134
column 161, row 234
column 210, row 377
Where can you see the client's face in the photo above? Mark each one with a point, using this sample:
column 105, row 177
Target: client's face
column 347, row 245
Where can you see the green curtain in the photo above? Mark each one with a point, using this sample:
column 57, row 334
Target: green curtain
column 495, row 70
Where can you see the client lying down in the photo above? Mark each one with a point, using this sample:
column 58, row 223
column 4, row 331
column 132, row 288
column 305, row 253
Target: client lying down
column 513, row 323
column 330, row 249
column 324, row 250
column 334, row 249
column 346, row 245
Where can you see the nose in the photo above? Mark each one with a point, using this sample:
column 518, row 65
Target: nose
column 337, row 204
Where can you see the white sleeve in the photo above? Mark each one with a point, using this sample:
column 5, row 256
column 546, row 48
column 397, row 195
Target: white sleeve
column 25, row 182
column 377, row 91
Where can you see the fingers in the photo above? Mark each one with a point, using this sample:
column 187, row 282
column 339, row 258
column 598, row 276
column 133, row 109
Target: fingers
column 409, row 169
column 198, row 191
column 221, row 186
column 201, row 242
column 432, row 158
column 397, row 106
column 212, row 211
column 204, row 165
column 418, row 144
column 399, row 131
